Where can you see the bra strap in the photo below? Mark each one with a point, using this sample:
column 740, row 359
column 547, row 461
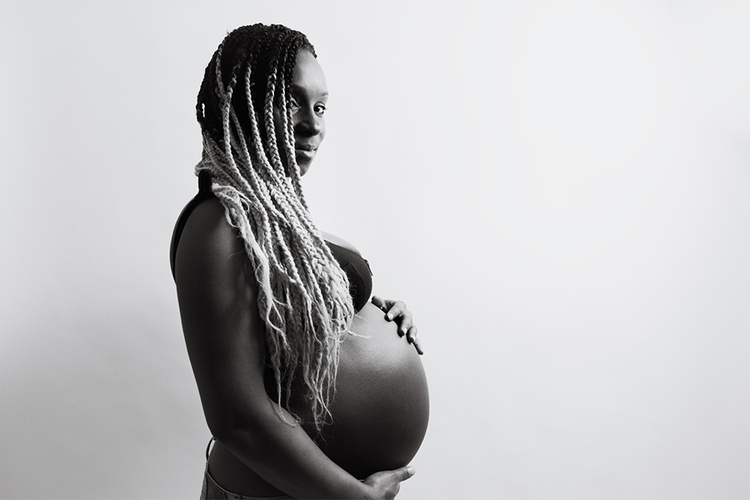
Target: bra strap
column 204, row 182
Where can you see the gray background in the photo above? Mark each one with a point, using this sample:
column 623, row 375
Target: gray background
column 558, row 190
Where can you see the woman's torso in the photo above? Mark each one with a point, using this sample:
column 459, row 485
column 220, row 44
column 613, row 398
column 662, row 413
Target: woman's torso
column 380, row 409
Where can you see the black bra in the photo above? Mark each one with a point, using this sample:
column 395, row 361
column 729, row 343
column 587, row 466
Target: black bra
column 354, row 265
column 358, row 271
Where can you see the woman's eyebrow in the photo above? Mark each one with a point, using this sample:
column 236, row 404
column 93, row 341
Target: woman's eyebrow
column 303, row 90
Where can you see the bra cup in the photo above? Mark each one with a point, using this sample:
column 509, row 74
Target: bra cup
column 358, row 271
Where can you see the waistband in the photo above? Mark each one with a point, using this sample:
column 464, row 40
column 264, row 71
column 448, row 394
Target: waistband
column 212, row 490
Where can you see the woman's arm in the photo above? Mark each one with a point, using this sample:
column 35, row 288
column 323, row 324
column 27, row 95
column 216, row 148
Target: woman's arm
column 225, row 339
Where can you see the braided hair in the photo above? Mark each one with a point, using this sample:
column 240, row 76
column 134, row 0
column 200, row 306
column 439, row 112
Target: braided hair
column 303, row 293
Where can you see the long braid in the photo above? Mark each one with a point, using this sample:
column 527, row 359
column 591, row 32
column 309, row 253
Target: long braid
column 303, row 293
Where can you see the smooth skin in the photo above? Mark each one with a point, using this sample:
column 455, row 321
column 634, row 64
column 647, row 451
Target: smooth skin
column 225, row 337
column 395, row 310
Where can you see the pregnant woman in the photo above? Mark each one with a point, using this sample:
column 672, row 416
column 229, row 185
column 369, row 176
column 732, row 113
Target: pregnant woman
column 310, row 389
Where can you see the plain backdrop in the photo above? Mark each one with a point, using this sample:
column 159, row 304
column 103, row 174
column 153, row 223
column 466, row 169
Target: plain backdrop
column 560, row 191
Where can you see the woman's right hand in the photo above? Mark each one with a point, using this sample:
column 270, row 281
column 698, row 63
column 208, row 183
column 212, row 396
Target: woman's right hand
column 386, row 484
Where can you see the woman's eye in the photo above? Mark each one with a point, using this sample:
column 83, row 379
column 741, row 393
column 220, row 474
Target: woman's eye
column 294, row 103
column 320, row 109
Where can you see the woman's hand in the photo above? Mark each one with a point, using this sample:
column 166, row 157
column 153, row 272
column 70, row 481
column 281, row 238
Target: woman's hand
column 395, row 310
column 387, row 483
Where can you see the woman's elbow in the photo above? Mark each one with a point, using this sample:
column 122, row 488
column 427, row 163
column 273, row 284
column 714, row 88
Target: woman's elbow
column 230, row 426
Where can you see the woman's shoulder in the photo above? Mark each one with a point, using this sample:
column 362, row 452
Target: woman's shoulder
column 206, row 215
column 208, row 245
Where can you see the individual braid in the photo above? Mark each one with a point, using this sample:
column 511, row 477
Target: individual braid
column 303, row 294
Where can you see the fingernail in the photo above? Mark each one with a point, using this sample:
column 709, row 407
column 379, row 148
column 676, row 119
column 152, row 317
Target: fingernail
column 389, row 316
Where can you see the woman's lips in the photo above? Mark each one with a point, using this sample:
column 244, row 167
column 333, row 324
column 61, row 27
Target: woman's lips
column 305, row 151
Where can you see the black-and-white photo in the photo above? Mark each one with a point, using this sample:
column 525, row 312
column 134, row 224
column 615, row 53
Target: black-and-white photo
column 440, row 250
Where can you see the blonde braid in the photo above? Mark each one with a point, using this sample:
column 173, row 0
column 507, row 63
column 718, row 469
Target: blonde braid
column 303, row 294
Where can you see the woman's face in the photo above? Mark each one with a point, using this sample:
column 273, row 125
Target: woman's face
column 309, row 98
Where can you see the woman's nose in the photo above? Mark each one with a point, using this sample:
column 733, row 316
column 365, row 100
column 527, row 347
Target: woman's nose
column 309, row 122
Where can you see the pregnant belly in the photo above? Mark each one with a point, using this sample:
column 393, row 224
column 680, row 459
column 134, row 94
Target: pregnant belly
column 381, row 407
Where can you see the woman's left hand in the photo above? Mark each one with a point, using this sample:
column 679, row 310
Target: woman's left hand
column 395, row 310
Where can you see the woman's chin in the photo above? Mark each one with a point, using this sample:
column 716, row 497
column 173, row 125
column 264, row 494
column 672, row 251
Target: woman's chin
column 304, row 162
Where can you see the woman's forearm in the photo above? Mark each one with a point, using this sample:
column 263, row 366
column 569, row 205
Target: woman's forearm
column 283, row 454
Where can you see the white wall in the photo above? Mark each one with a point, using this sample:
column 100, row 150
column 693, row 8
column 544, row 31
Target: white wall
column 559, row 190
